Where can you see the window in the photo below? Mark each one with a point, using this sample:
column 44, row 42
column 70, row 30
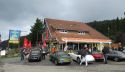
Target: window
column 63, row 31
column 82, row 33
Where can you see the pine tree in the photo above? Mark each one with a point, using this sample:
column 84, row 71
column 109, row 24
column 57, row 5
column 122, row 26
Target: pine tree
column 36, row 31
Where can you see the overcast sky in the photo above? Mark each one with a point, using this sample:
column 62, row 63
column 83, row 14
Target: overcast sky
column 21, row 14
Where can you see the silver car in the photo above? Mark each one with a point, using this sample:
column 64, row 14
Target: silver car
column 116, row 55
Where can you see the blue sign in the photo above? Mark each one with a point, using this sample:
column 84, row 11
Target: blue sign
column 14, row 36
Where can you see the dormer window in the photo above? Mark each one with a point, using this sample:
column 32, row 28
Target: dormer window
column 63, row 31
column 82, row 32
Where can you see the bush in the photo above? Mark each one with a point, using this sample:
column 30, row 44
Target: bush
column 13, row 53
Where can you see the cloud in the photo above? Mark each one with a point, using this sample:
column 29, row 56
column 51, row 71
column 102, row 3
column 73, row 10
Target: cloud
column 21, row 14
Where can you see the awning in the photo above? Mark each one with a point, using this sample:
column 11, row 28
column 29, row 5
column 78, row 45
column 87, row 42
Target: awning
column 86, row 40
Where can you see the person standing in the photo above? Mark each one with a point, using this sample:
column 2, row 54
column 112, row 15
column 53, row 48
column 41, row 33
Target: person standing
column 105, row 51
column 65, row 48
column 83, row 56
column 43, row 53
column 22, row 53
column 53, row 49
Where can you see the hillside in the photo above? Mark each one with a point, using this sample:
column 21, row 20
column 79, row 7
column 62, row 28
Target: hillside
column 114, row 29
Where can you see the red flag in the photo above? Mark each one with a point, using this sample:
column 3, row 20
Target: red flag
column 29, row 44
column 25, row 43
column 44, row 44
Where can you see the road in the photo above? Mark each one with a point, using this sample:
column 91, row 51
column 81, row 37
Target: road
column 14, row 65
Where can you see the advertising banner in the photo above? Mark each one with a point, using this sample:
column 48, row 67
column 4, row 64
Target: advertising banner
column 14, row 36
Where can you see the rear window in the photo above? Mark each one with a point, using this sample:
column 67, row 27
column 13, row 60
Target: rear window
column 35, row 51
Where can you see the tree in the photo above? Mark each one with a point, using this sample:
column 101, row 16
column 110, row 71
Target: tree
column 36, row 31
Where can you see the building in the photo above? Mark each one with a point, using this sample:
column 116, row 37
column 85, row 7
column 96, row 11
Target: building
column 73, row 34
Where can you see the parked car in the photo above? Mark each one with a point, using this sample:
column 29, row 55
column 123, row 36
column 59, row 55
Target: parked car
column 98, row 55
column 124, row 51
column 77, row 57
column 116, row 55
column 35, row 54
column 60, row 57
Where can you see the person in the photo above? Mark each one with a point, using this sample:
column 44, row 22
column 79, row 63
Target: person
column 65, row 48
column 53, row 49
column 94, row 49
column 83, row 56
column 26, row 53
column 105, row 51
column 120, row 48
column 22, row 53
column 43, row 53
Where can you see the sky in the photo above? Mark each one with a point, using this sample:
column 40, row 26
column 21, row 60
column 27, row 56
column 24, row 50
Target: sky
column 21, row 14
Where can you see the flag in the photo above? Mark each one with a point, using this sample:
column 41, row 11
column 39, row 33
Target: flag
column 29, row 44
column 44, row 44
column 25, row 43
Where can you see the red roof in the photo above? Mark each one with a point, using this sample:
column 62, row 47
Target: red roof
column 73, row 29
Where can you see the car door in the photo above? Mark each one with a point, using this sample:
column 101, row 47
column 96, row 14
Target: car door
column 55, row 56
column 113, row 55
column 110, row 55
column 76, row 55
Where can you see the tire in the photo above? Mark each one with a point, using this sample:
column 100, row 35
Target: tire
column 69, row 63
column 116, row 59
column 39, row 59
column 78, row 60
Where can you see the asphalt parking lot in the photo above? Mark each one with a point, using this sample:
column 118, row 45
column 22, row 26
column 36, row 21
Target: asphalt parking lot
column 14, row 65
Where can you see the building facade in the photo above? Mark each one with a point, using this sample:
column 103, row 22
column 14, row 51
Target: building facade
column 73, row 34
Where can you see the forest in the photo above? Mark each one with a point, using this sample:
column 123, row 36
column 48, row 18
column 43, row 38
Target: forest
column 114, row 29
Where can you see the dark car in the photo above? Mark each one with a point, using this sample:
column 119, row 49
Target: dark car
column 116, row 55
column 35, row 54
column 60, row 58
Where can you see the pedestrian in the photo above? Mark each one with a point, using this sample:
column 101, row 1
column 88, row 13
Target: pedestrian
column 105, row 52
column 65, row 48
column 94, row 49
column 43, row 53
column 53, row 49
column 83, row 55
column 26, row 53
column 22, row 54
column 120, row 48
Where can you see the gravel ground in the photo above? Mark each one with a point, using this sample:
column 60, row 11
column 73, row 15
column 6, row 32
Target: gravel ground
column 14, row 65
column 1, row 66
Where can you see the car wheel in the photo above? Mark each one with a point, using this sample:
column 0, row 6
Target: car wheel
column 78, row 60
column 39, row 59
column 116, row 59
column 56, row 62
column 69, row 63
